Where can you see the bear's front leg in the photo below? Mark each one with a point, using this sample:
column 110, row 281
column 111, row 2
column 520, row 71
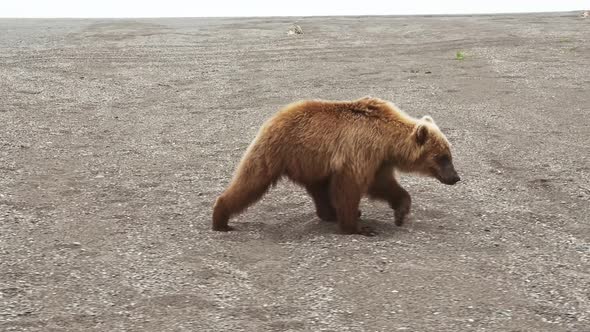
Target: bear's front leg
column 401, row 202
column 345, row 195
column 320, row 193
column 385, row 187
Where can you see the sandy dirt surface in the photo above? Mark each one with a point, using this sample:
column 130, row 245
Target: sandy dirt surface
column 117, row 135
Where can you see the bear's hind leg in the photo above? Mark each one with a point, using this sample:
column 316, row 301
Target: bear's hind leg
column 243, row 192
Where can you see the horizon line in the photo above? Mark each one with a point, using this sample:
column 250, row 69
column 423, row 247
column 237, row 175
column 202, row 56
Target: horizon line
column 302, row 16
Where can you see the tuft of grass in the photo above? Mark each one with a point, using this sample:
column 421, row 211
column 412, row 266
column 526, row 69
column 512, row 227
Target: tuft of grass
column 460, row 55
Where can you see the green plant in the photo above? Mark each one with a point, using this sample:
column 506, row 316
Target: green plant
column 459, row 56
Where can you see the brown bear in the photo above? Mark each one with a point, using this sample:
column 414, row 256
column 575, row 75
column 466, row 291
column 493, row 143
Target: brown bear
column 339, row 151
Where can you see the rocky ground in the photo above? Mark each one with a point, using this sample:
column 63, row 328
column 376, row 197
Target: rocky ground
column 117, row 135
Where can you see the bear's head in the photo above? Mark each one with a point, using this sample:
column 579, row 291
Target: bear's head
column 435, row 152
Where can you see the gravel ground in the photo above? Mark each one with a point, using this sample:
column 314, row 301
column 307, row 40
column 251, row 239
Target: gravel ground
column 117, row 135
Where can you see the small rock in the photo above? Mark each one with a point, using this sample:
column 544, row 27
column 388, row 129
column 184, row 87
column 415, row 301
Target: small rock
column 295, row 30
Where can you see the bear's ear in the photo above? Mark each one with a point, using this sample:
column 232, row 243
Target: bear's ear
column 421, row 134
column 427, row 118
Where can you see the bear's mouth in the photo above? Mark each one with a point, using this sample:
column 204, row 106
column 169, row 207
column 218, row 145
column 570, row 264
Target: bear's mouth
column 448, row 180
column 451, row 181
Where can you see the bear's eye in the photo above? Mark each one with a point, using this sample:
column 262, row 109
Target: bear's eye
column 443, row 159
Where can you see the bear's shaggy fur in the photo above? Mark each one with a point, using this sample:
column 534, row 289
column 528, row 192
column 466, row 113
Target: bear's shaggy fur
column 339, row 151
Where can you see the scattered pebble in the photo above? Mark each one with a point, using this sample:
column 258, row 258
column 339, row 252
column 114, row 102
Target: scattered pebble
column 295, row 30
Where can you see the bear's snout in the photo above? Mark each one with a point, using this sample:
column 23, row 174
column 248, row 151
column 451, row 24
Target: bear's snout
column 454, row 179
column 450, row 179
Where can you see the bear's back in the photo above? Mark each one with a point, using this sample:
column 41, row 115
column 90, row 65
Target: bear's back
column 332, row 126
column 331, row 112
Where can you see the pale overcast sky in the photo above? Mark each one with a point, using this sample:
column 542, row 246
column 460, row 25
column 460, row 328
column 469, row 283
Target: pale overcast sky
column 187, row 8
